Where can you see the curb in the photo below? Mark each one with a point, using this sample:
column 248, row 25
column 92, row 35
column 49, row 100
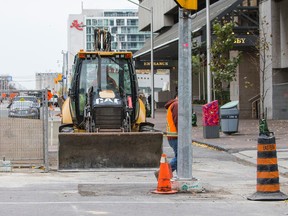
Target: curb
column 238, row 155
column 210, row 145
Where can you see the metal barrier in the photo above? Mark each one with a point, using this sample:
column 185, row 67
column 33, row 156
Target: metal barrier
column 24, row 128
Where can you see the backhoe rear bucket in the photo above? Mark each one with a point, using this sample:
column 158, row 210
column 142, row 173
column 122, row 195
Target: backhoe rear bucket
column 109, row 150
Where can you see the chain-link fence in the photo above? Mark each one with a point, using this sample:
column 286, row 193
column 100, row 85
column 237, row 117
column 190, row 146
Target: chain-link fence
column 24, row 128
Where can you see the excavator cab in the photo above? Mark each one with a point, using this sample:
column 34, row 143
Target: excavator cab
column 105, row 92
column 104, row 120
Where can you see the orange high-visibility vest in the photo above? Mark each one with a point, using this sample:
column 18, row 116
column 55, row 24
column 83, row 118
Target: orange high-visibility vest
column 170, row 127
column 49, row 96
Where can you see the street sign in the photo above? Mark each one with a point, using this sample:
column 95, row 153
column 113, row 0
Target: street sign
column 187, row 4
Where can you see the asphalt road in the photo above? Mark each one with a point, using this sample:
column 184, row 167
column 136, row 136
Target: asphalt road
column 226, row 182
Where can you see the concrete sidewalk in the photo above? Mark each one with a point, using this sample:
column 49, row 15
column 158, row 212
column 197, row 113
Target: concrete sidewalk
column 243, row 144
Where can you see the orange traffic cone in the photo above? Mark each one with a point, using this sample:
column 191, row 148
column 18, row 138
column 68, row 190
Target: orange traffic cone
column 268, row 187
column 165, row 174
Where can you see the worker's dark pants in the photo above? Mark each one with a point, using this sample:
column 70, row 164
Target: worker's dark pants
column 174, row 144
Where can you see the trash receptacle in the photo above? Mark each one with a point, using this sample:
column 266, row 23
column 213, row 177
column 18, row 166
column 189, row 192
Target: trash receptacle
column 229, row 115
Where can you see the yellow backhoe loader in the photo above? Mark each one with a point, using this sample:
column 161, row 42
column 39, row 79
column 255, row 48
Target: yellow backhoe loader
column 103, row 119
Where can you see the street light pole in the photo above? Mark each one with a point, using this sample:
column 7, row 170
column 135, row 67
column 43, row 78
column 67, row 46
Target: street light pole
column 208, row 46
column 152, row 68
column 66, row 76
column 152, row 57
column 69, row 63
column 63, row 71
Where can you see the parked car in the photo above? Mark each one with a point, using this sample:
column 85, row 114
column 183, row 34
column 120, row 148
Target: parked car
column 54, row 101
column 23, row 109
column 34, row 99
column 36, row 102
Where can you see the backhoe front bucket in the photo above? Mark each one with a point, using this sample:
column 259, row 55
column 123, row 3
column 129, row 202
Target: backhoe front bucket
column 109, row 150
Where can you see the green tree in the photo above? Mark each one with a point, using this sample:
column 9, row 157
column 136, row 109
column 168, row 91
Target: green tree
column 196, row 64
column 198, row 60
column 264, row 48
column 222, row 66
column 263, row 55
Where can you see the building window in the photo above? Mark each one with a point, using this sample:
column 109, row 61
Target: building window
column 120, row 22
column 88, row 22
column 88, row 38
column 100, row 22
column 132, row 30
column 132, row 22
column 131, row 14
column 141, row 38
column 132, row 38
column 123, row 26
column 133, row 45
column 136, row 38
column 110, row 14
column 105, row 22
column 121, row 37
column 94, row 22
column 88, row 30
column 114, row 30
column 123, row 30
column 113, row 46
column 89, row 46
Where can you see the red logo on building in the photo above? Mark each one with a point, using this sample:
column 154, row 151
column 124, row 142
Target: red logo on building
column 77, row 25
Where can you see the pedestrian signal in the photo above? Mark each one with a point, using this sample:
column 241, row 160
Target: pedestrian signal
column 187, row 4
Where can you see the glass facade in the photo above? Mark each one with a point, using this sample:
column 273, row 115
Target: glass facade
column 123, row 26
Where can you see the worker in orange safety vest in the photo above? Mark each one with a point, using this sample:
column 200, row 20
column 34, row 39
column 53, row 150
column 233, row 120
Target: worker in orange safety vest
column 171, row 128
column 172, row 125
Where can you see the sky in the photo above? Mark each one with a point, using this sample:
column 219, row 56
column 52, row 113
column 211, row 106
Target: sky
column 34, row 33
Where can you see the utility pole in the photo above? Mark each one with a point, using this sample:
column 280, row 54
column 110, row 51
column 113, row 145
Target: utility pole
column 184, row 165
column 185, row 182
column 63, row 71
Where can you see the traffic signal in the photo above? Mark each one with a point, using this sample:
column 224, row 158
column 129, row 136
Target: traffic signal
column 187, row 4
column 59, row 78
column 56, row 80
